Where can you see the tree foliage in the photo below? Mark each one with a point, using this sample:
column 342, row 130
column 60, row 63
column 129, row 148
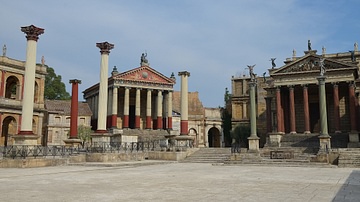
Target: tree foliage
column 84, row 134
column 240, row 133
column 226, row 118
column 54, row 87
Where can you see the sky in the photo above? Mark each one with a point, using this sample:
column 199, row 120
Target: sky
column 212, row 39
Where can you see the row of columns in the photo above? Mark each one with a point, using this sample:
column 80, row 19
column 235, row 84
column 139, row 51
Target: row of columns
column 292, row 117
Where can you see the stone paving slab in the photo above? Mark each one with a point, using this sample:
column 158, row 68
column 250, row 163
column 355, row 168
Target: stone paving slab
column 179, row 182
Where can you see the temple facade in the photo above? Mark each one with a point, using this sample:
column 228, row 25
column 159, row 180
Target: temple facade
column 314, row 94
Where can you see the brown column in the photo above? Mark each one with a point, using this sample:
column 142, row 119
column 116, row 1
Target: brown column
column 279, row 110
column 2, row 87
column 352, row 101
column 74, row 108
column 336, row 108
column 306, row 110
column 268, row 115
column 292, row 110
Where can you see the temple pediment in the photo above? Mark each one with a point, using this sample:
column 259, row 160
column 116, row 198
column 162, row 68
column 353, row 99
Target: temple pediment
column 311, row 63
column 144, row 74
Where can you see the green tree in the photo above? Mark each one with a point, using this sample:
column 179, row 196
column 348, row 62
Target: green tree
column 84, row 134
column 240, row 133
column 54, row 87
column 226, row 118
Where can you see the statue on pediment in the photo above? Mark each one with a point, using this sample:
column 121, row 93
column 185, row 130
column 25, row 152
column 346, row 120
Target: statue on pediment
column 356, row 48
column 352, row 56
column 322, row 66
column 143, row 58
column 4, row 50
column 309, row 45
column 273, row 62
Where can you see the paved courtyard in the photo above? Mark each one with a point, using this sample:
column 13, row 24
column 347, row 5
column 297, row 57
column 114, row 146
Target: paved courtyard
column 179, row 182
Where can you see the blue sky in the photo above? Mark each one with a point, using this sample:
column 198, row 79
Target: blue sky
column 212, row 39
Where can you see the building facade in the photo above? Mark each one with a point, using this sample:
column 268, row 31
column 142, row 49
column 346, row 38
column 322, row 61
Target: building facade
column 12, row 73
column 57, row 120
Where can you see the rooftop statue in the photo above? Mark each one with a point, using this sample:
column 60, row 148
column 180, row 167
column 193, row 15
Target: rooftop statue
column 352, row 56
column 251, row 72
column 356, row 48
column 273, row 62
column 143, row 58
column 309, row 45
column 4, row 50
column 322, row 67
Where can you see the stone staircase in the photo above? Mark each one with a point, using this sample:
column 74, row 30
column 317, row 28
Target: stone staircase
column 209, row 155
column 349, row 157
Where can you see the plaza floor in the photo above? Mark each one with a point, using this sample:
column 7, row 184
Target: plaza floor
column 179, row 182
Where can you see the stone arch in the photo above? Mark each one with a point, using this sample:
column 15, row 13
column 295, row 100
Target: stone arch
column 36, row 93
column 12, row 90
column 195, row 134
column 9, row 128
column 214, row 137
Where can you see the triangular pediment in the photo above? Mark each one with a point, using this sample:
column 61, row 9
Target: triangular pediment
column 144, row 74
column 311, row 63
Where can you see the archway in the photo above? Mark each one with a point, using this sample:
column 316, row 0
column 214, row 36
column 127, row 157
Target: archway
column 193, row 133
column 9, row 127
column 12, row 90
column 214, row 137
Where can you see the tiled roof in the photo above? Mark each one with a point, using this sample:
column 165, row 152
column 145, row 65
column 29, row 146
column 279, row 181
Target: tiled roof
column 195, row 106
column 64, row 106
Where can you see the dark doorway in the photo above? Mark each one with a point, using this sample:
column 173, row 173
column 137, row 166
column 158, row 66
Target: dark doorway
column 314, row 117
column 214, row 137
column 132, row 116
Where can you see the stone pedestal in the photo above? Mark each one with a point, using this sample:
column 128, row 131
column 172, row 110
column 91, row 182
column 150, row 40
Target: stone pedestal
column 72, row 142
column 353, row 137
column 101, row 137
column 325, row 143
column 25, row 139
column 184, row 141
column 253, row 144
column 275, row 139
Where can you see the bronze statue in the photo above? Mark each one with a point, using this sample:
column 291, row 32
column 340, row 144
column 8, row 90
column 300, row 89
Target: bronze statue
column 352, row 56
column 251, row 72
column 273, row 62
column 309, row 45
column 143, row 58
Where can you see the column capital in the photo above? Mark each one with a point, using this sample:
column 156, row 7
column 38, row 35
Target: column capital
column 278, row 88
column 126, row 87
column 75, row 81
column 32, row 32
column 184, row 73
column 291, row 87
column 305, row 86
column 352, row 84
column 335, row 84
column 105, row 47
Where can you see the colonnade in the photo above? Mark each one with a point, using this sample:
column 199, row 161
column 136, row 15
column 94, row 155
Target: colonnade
column 282, row 101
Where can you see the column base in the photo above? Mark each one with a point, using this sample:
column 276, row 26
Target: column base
column 353, row 137
column 253, row 144
column 293, row 133
column 275, row 139
column 26, row 139
column 325, row 143
column 307, row 132
column 73, row 142
column 338, row 131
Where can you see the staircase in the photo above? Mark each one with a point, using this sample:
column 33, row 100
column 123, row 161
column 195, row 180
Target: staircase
column 209, row 155
column 349, row 158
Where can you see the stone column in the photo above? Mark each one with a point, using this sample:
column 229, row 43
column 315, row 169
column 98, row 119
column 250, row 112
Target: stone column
column 292, row 110
column 336, row 108
column 148, row 109
column 137, row 109
column 253, row 139
column 74, row 112
column 114, row 107
column 184, row 102
column 324, row 136
column 105, row 48
column 169, row 110
column 353, row 135
column 159, row 109
column 126, row 108
column 244, row 112
column 32, row 35
column 268, row 115
column 306, row 110
column 74, row 108
column 278, row 110
column 2, row 87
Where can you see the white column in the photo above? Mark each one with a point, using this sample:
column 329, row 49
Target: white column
column 184, row 103
column 115, row 101
column 32, row 33
column 105, row 48
column 126, row 108
column 137, row 102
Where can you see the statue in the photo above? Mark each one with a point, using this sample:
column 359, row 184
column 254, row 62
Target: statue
column 309, row 45
column 323, row 50
column 352, row 56
column 264, row 76
column 356, row 48
column 143, row 58
column 42, row 61
column 251, row 72
column 294, row 53
column 4, row 50
column 273, row 62
column 322, row 67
